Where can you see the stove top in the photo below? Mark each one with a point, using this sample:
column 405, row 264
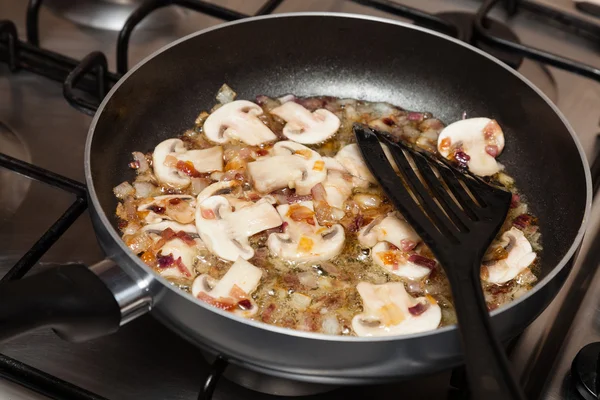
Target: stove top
column 144, row 359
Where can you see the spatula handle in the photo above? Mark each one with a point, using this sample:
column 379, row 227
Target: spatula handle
column 488, row 369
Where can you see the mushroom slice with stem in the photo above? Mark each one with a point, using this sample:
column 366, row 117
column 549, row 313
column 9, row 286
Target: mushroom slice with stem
column 174, row 165
column 339, row 183
column 519, row 256
column 390, row 229
column 303, row 239
column 225, row 232
column 238, row 120
column 306, row 127
column 292, row 165
column 474, row 143
column 233, row 291
column 217, row 189
column 398, row 262
column 176, row 207
column 389, row 310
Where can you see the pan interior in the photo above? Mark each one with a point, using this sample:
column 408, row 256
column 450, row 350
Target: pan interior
column 352, row 58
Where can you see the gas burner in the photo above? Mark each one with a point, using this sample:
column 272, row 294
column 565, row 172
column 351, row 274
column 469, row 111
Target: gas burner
column 10, row 200
column 111, row 14
column 585, row 371
column 464, row 23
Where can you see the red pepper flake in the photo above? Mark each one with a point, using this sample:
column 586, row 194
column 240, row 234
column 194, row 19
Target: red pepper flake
column 187, row 167
column 514, row 201
column 245, row 304
column 165, row 261
column 262, row 152
column 422, row 261
column 407, row 245
column 134, row 164
column 175, row 201
column 418, row 309
column 462, row 158
column 492, row 150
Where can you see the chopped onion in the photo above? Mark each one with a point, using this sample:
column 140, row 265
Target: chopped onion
column 142, row 162
column 138, row 242
column 145, row 189
column 308, row 279
column 330, row 325
column 286, row 98
column 226, row 94
column 123, row 190
column 300, row 301
column 367, row 200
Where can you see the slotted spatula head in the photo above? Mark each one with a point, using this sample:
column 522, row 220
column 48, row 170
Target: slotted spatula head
column 456, row 213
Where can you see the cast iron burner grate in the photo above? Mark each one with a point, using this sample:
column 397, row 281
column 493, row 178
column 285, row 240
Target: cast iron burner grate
column 91, row 78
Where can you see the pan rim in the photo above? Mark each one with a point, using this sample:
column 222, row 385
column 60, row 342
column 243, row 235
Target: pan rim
column 311, row 335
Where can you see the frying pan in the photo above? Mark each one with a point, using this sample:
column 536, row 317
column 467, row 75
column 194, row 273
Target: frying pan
column 306, row 54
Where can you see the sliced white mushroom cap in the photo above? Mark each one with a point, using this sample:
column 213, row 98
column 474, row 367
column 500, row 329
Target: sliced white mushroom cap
column 216, row 189
column 168, row 174
column 520, row 256
column 306, row 127
column 390, row 229
column 352, row 160
column 396, row 263
column 238, row 120
column 158, row 227
column 241, row 276
column 337, row 188
column 204, row 160
column 389, row 310
column 481, row 139
column 182, row 212
column 225, row 233
column 303, row 241
column 292, row 165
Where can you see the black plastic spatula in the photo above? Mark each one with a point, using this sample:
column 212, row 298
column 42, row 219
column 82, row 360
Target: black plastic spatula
column 457, row 215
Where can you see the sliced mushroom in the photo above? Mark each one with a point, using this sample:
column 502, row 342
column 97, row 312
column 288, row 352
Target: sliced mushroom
column 225, row 232
column 158, row 227
column 292, row 165
column 339, row 183
column 204, row 160
column 475, row 142
column 303, row 239
column 352, row 160
column 520, row 256
column 397, row 262
column 389, row 310
column 169, row 152
column 306, row 127
column 238, row 120
column 216, row 189
column 176, row 207
column 390, row 229
column 233, row 291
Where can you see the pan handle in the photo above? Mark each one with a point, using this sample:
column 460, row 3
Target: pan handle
column 77, row 302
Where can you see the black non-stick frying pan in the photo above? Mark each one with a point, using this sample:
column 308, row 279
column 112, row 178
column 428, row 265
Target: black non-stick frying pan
column 306, row 54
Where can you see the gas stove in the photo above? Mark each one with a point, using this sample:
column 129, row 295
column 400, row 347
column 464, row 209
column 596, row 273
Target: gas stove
column 43, row 209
